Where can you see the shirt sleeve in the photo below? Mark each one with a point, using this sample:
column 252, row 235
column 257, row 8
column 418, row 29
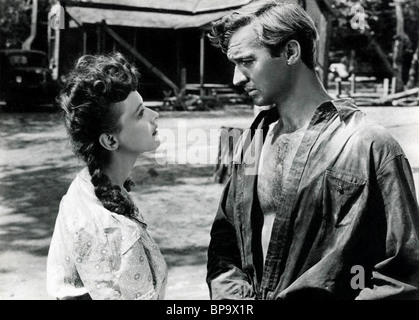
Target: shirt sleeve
column 397, row 277
column 112, row 269
column 225, row 278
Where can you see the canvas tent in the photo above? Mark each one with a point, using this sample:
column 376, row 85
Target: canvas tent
column 165, row 14
column 166, row 37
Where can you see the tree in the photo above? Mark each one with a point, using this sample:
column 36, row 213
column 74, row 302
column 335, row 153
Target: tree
column 15, row 21
column 412, row 29
column 398, row 18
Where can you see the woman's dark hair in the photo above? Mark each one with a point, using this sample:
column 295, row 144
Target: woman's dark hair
column 93, row 87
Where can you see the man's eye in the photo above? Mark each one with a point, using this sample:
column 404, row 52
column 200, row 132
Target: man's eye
column 246, row 62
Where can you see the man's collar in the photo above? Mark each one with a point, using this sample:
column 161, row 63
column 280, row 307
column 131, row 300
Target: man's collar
column 344, row 107
column 267, row 116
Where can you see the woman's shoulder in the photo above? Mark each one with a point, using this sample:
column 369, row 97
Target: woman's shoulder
column 80, row 207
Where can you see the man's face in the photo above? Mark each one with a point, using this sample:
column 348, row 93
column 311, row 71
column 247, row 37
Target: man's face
column 265, row 78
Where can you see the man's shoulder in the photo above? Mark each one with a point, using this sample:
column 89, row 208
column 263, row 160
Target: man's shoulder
column 363, row 127
column 370, row 137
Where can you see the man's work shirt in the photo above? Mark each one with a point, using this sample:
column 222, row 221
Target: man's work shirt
column 346, row 208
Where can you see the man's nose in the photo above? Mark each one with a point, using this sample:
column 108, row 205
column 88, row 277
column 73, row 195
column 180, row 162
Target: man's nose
column 239, row 78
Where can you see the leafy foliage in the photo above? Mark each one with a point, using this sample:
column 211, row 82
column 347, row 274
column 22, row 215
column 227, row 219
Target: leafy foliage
column 15, row 21
column 380, row 23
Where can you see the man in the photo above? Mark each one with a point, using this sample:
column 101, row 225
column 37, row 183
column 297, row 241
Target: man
column 321, row 202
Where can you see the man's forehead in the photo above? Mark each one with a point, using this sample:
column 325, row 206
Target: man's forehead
column 242, row 42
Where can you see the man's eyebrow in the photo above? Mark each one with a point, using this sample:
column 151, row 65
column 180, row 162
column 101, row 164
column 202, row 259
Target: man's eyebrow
column 239, row 56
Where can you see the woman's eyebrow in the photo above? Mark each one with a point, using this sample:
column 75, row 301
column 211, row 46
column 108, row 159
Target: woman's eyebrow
column 140, row 106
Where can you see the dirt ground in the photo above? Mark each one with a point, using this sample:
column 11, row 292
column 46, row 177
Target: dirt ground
column 177, row 200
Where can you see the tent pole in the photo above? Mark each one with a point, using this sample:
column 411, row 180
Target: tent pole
column 84, row 41
column 202, row 63
column 98, row 38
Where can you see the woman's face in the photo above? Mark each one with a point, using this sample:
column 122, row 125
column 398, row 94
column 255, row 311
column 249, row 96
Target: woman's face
column 138, row 126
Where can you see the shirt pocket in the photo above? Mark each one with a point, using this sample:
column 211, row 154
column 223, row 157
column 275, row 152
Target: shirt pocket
column 341, row 193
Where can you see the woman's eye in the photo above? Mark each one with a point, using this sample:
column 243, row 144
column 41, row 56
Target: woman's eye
column 141, row 113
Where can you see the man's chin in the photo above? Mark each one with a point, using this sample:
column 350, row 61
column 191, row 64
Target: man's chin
column 264, row 107
column 260, row 103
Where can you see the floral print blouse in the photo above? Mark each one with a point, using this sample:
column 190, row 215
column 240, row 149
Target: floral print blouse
column 97, row 252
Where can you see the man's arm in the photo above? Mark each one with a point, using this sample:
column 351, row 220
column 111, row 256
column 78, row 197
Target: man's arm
column 397, row 276
column 225, row 278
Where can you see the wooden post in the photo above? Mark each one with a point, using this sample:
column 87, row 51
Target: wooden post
column 353, row 84
column 183, row 82
column 386, row 84
column 98, row 37
column 84, row 41
column 338, row 87
column 202, row 63
column 393, row 85
column 103, row 41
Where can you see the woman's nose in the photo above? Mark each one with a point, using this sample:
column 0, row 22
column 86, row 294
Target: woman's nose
column 154, row 115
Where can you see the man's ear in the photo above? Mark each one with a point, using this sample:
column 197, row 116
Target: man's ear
column 108, row 141
column 292, row 52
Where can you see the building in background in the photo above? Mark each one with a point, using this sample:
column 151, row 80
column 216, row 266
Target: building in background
column 166, row 39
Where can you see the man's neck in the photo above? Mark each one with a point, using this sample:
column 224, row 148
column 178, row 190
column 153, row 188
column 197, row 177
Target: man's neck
column 299, row 105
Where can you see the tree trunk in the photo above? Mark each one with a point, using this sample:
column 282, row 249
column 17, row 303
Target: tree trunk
column 414, row 71
column 399, row 47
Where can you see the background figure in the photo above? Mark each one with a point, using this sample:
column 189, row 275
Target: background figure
column 100, row 248
column 321, row 201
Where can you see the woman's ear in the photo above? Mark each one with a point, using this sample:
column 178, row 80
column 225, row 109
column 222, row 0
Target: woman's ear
column 108, row 141
column 292, row 52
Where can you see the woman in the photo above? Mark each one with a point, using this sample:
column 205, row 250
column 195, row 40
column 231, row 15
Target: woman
column 100, row 248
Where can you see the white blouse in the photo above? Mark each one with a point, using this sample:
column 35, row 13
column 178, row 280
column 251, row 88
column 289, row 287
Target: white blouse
column 97, row 252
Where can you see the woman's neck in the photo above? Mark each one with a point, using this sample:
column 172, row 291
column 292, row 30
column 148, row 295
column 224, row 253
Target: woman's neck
column 119, row 170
